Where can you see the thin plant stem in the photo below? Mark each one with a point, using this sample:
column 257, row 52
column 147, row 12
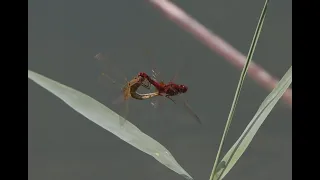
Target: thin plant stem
column 242, row 77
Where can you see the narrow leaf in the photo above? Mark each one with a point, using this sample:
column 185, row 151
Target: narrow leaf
column 109, row 120
column 243, row 142
column 240, row 83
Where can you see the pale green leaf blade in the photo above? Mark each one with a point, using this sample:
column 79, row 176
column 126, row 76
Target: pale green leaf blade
column 109, row 120
column 243, row 142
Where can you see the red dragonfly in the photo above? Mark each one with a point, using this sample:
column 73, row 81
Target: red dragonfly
column 169, row 90
column 129, row 89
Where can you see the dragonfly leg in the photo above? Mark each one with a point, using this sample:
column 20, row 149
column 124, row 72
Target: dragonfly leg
column 167, row 96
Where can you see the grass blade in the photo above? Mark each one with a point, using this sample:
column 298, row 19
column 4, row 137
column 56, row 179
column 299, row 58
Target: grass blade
column 242, row 143
column 242, row 77
column 109, row 120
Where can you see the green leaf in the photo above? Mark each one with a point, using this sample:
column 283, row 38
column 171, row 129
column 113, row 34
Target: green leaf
column 109, row 120
column 242, row 143
column 240, row 83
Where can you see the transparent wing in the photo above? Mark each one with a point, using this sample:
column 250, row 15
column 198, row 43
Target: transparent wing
column 156, row 102
column 124, row 113
column 109, row 72
column 190, row 110
column 115, row 76
column 123, row 101
column 181, row 63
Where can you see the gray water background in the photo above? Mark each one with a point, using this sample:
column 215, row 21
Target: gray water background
column 65, row 35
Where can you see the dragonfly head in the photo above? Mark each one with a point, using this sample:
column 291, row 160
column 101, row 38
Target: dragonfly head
column 183, row 88
column 143, row 74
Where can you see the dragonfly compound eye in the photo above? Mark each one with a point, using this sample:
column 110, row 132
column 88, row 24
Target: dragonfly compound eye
column 142, row 74
column 183, row 88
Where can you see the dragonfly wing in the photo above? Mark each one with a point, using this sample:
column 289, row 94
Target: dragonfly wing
column 124, row 114
column 176, row 74
column 156, row 102
column 189, row 109
column 124, row 109
column 109, row 66
column 155, row 74
column 118, row 100
column 110, row 73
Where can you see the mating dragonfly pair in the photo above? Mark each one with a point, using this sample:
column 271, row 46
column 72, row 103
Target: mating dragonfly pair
column 130, row 89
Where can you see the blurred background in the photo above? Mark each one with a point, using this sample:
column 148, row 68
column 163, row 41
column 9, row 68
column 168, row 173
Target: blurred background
column 64, row 37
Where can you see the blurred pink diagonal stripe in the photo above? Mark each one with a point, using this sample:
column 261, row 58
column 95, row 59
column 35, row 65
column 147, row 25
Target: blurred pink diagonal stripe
column 215, row 43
